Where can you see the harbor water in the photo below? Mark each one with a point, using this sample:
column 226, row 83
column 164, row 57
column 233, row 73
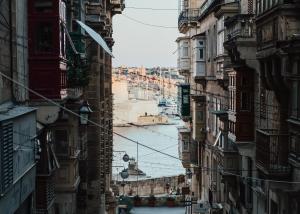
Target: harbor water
column 127, row 108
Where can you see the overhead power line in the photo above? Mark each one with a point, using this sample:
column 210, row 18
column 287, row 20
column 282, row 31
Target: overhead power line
column 147, row 24
column 79, row 116
column 131, row 140
column 150, row 8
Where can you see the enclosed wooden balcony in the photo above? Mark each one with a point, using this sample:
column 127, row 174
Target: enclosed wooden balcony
column 117, row 6
column 183, row 101
column 184, row 55
column 187, row 17
column 187, row 148
column 95, row 14
column 272, row 152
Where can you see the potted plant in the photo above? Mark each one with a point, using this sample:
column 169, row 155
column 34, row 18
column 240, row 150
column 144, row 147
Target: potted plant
column 151, row 201
column 137, row 201
column 170, row 201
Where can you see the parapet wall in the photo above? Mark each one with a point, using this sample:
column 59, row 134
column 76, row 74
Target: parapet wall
column 154, row 186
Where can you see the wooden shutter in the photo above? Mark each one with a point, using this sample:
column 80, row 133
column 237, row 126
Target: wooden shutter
column 6, row 151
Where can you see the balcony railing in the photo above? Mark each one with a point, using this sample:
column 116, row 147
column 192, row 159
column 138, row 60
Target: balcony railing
column 212, row 3
column 239, row 26
column 188, row 16
column 272, row 151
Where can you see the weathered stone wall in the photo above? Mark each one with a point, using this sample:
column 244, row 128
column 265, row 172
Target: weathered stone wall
column 146, row 187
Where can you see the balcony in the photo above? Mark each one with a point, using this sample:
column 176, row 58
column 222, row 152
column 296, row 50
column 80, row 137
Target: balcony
column 95, row 14
column 96, row 19
column 117, row 6
column 239, row 26
column 277, row 27
column 184, row 55
column 184, row 66
column 187, row 18
column 187, row 149
column 294, row 153
column 93, row 8
column 183, row 102
column 272, row 152
column 223, row 63
column 198, row 117
column 240, row 39
column 77, row 76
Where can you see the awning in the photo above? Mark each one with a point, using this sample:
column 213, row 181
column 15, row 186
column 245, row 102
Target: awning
column 96, row 37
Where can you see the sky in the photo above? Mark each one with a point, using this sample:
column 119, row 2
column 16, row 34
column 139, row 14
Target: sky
column 140, row 45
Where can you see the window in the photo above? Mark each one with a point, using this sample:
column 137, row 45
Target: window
column 245, row 101
column 185, row 51
column 263, row 106
column 43, row 6
column 207, row 165
column 295, row 144
column 208, row 48
column 61, row 142
column 44, row 40
column 199, row 117
column 62, row 41
column 185, row 146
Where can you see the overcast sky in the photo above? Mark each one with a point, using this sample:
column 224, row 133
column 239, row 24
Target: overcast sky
column 140, row 45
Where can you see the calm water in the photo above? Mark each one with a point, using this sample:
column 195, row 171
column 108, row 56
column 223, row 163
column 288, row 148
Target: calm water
column 162, row 138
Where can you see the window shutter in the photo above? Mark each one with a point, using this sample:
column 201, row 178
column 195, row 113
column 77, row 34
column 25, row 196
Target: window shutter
column 6, row 151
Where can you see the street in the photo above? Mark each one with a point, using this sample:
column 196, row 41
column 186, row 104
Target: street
column 160, row 210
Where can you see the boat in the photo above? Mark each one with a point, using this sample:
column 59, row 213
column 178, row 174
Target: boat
column 162, row 102
column 170, row 103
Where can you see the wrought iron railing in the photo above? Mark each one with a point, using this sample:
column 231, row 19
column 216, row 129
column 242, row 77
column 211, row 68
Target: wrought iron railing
column 188, row 15
column 241, row 25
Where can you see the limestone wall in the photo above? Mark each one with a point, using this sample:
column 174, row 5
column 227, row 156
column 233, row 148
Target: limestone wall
column 146, row 187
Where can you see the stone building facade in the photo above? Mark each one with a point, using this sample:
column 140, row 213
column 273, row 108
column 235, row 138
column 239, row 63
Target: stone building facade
column 18, row 143
column 51, row 161
column 241, row 61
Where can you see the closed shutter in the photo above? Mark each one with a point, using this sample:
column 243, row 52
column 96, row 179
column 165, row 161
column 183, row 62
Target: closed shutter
column 6, row 151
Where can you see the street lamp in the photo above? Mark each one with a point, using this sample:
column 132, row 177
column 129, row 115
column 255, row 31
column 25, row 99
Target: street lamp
column 84, row 112
column 124, row 174
column 126, row 158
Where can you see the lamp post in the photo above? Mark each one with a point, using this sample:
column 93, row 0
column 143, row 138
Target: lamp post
column 84, row 112
column 124, row 175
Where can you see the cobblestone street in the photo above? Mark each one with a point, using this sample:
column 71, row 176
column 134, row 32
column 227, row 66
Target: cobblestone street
column 160, row 210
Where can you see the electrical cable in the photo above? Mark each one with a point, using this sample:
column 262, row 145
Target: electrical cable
column 79, row 116
column 147, row 24
column 131, row 140
column 150, row 8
